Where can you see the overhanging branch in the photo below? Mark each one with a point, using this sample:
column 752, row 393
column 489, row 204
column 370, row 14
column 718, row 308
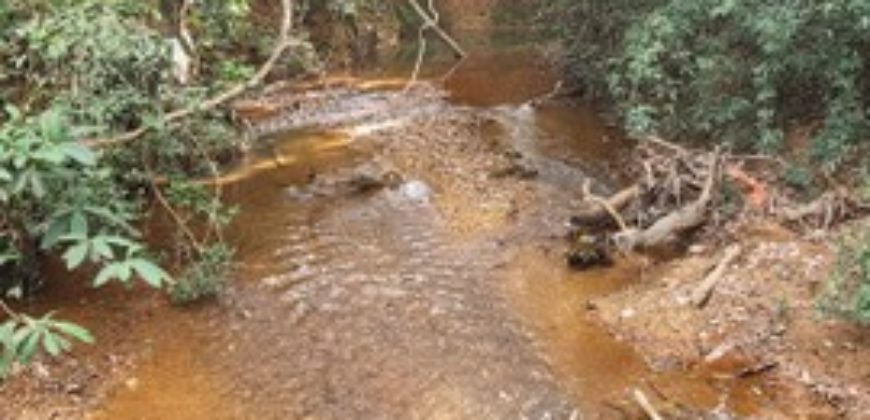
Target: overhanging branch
column 281, row 46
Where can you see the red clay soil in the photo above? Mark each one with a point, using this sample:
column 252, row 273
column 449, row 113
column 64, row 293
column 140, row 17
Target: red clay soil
column 761, row 321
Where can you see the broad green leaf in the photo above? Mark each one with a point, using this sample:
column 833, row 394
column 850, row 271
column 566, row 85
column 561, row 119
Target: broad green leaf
column 52, row 126
column 151, row 273
column 51, row 344
column 7, row 329
column 52, row 236
column 106, row 274
column 52, row 155
column 102, row 249
column 108, row 216
column 28, row 346
column 75, row 255
column 78, row 224
column 74, row 331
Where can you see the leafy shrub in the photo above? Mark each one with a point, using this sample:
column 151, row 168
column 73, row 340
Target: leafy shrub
column 594, row 33
column 204, row 278
column 734, row 71
column 22, row 336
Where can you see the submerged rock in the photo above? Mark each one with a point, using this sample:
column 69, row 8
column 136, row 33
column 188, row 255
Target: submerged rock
column 415, row 190
column 588, row 251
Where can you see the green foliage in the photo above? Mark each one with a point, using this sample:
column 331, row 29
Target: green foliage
column 79, row 69
column 594, row 32
column 735, row 71
column 849, row 292
column 205, row 278
column 23, row 337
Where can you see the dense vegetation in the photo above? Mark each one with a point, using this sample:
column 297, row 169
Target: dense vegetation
column 742, row 73
column 76, row 75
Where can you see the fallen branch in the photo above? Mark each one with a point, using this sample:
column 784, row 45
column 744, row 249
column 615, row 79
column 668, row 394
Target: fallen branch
column 600, row 209
column 681, row 220
column 609, row 208
column 281, row 45
column 701, row 295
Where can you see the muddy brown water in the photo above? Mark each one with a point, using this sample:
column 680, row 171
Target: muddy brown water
column 445, row 297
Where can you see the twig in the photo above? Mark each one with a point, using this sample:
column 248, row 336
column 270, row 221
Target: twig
column 644, row 403
column 282, row 44
column 4, row 307
column 182, row 225
column 421, row 55
column 701, row 295
column 432, row 23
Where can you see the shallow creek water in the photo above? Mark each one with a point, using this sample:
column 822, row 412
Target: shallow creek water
column 445, row 297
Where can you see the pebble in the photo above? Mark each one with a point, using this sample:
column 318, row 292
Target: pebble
column 416, row 191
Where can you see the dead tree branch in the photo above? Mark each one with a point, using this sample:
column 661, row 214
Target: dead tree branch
column 681, row 220
column 599, row 210
column 430, row 20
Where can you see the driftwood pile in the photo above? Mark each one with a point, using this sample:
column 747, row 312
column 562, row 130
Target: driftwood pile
column 673, row 192
column 677, row 191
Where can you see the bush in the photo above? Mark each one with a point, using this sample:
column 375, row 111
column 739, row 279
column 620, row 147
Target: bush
column 735, row 71
column 85, row 69
column 849, row 293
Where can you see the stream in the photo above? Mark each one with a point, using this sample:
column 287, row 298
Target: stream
column 441, row 294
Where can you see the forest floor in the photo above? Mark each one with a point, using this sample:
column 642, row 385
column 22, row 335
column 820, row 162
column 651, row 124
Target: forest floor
column 762, row 320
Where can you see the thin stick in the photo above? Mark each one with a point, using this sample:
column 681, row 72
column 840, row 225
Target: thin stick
column 172, row 213
column 4, row 307
column 644, row 403
column 587, row 194
column 421, row 55
column 433, row 24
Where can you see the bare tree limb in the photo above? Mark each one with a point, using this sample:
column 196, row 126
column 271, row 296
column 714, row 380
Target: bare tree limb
column 684, row 218
column 609, row 208
column 431, row 21
column 601, row 208
column 281, row 45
